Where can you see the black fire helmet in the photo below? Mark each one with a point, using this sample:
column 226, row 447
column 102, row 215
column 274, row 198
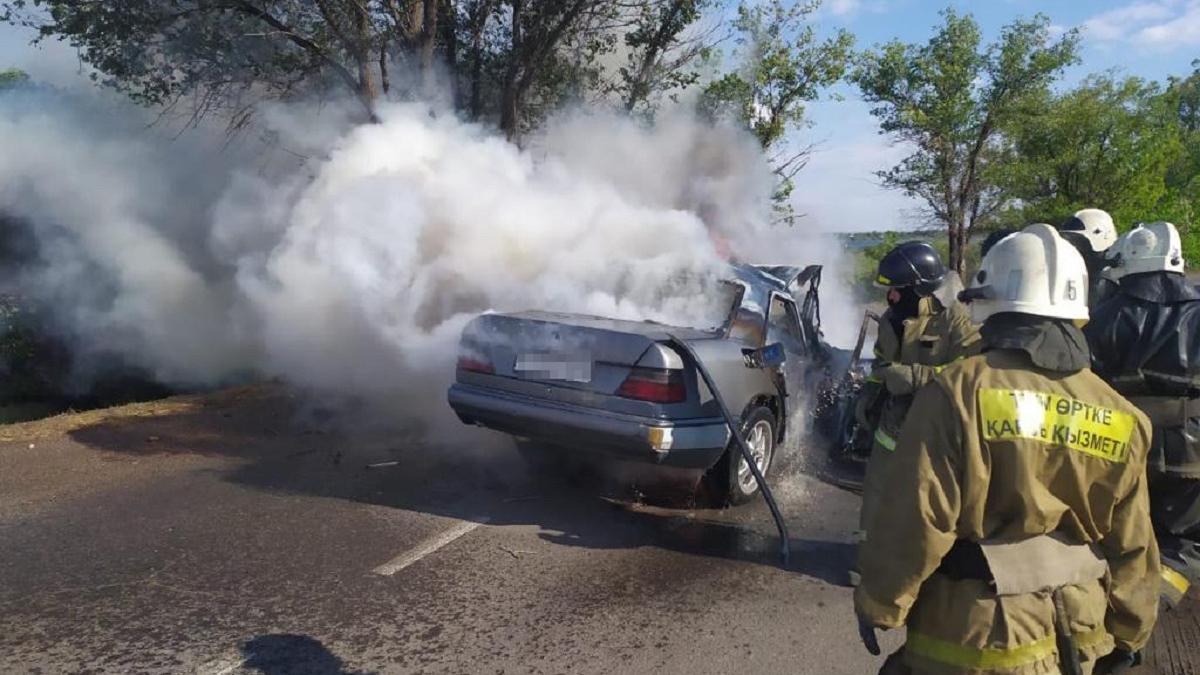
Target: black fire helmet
column 913, row 264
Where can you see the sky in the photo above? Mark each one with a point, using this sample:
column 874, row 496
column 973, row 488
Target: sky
column 838, row 190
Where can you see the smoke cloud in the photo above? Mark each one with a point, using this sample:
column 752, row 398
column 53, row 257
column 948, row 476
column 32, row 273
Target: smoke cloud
column 346, row 259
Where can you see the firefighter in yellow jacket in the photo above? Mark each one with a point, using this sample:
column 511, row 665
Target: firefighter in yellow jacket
column 1016, row 536
column 923, row 329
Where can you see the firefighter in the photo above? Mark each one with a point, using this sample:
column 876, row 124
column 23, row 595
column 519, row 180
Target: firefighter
column 994, row 237
column 1092, row 233
column 1144, row 342
column 921, row 331
column 1016, row 536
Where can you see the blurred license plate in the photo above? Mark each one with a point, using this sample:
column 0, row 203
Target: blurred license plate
column 566, row 367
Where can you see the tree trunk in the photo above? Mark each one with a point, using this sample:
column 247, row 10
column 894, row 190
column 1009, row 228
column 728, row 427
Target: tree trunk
column 530, row 53
column 448, row 37
column 429, row 24
column 384, row 78
column 364, row 58
column 509, row 97
column 480, row 11
column 639, row 88
column 957, row 246
column 509, row 108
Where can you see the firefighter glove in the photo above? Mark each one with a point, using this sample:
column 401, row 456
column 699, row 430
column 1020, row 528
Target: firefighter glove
column 866, row 631
column 898, row 378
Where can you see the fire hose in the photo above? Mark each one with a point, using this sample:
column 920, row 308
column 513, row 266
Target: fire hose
column 735, row 431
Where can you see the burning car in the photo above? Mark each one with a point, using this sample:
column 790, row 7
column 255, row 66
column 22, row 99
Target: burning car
column 584, row 384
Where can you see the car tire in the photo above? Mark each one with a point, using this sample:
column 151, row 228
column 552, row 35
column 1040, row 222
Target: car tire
column 735, row 478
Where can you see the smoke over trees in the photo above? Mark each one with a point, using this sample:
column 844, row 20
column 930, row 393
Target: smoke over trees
column 368, row 165
column 510, row 62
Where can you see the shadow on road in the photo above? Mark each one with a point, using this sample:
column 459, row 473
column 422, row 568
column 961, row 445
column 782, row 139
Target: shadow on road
column 279, row 450
column 285, row 654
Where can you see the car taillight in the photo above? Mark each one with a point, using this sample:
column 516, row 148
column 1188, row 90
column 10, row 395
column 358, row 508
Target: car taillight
column 654, row 384
column 475, row 365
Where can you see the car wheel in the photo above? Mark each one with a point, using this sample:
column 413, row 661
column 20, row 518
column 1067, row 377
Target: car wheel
column 758, row 428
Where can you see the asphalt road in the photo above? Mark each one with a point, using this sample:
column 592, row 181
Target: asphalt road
column 232, row 535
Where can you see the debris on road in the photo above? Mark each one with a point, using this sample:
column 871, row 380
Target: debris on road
column 515, row 553
column 380, row 465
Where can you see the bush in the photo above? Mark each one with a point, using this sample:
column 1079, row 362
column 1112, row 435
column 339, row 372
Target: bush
column 866, row 266
column 866, row 259
column 1190, row 237
column 32, row 365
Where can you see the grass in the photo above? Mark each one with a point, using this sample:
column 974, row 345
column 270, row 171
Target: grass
column 64, row 423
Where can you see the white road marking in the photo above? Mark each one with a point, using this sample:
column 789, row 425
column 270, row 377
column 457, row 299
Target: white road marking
column 428, row 546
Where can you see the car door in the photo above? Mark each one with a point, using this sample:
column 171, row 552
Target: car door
column 783, row 326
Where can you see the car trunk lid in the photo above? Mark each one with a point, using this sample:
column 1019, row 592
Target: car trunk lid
column 572, row 351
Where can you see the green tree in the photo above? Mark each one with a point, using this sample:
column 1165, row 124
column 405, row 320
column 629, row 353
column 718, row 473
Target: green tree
column 784, row 65
column 951, row 99
column 537, row 30
column 12, row 77
column 659, row 52
column 221, row 52
column 1181, row 204
column 506, row 61
column 1105, row 144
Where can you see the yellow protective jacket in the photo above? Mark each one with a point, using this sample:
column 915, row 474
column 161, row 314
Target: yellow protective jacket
column 998, row 449
column 937, row 336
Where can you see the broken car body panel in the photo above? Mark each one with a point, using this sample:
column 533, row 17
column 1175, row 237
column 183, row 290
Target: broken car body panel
column 564, row 379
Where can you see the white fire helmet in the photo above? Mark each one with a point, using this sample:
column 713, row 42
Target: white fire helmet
column 1095, row 225
column 1153, row 247
column 1034, row 271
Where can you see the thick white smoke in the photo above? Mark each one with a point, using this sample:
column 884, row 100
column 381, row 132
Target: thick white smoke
column 120, row 222
column 414, row 225
column 354, row 270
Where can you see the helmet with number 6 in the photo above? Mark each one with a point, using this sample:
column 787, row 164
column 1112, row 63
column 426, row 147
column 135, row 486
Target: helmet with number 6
column 1034, row 271
column 1153, row 247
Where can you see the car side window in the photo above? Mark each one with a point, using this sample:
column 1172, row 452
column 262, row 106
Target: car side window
column 782, row 323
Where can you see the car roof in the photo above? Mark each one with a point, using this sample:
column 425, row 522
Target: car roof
column 766, row 277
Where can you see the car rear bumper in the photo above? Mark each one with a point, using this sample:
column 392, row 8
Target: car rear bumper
column 691, row 444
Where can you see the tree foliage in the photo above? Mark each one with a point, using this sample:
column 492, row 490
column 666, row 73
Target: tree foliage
column 224, row 53
column 1181, row 203
column 1105, row 144
column 504, row 61
column 660, row 50
column 1128, row 146
column 951, row 99
column 12, row 77
column 784, row 65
